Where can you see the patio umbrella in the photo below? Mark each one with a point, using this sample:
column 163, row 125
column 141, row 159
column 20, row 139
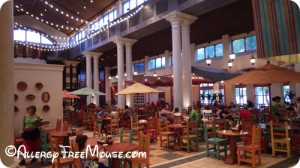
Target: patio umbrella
column 266, row 74
column 86, row 91
column 69, row 96
column 136, row 89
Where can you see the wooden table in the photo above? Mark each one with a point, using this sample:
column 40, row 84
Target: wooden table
column 232, row 157
column 61, row 135
column 123, row 147
column 177, row 128
column 92, row 141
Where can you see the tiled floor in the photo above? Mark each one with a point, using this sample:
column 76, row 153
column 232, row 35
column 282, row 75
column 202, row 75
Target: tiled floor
column 162, row 157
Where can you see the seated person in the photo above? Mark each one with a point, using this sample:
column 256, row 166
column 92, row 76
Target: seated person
column 194, row 115
column 89, row 161
column 127, row 113
column 102, row 114
column 206, row 112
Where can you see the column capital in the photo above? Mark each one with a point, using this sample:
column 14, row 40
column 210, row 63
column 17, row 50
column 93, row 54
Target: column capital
column 124, row 41
column 73, row 63
column 91, row 54
column 181, row 17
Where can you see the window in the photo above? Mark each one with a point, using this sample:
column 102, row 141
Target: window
column 206, row 93
column 139, row 67
column 262, row 96
column 211, row 51
column 19, row 35
column 286, row 91
column 31, row 36
column 241, row 95
column 157, row 63
column 131, row 4
column 244, row 44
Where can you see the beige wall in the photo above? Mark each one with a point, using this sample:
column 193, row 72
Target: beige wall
column 51, row 78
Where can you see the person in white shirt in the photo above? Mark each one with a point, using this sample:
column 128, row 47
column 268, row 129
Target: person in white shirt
column 206, row 112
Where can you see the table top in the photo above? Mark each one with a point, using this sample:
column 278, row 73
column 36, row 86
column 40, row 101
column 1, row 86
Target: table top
column 59, row 134
column 92, row 141
column 122, row 147
column 176, row 126
column 231, row 133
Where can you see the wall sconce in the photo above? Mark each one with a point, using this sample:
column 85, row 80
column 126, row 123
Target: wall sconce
column 109, row 77
column 232, row 56
column 135, row 73
column 252, row 60
column 230, row 64
column 125, row 74
column 117, row 76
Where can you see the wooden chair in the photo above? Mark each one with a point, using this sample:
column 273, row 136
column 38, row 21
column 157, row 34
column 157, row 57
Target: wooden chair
column 200, row 130
column 75, row 149
column 58, row 125
column 295, row 137
column 247, row 126
column 253, row 148
column 144, row 146
column 190, row 134
column 129, row 135
column 134, row 125
column 59, row 161
column 152, row 128
column 113, row 126
column 221, row 123
column 177, row 119
column 65, row 126
column 165, row 132
column 215, row 141
column 97, row 129
column 79, row 118
column 280, row 138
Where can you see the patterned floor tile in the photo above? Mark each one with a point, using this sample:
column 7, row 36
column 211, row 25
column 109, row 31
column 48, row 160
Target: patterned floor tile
column 170, row 156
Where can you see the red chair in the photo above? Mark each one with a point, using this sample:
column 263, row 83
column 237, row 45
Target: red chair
column 152, row 126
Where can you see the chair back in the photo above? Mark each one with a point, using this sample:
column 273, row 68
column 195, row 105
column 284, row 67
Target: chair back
column 177, row 119
column 163, row 125
column 256, row 136
column 209, row 131
column 152, row 123
column 58, row 125
column 54, row 145
column 122, row 135
column 43, row 137
column 97, row 129
column 221, row 122
column 279, row 130
column 192, row 128
column 295, row 129
column 134, row 121
column 75, row 149
column 65, row 126
column 144, row 143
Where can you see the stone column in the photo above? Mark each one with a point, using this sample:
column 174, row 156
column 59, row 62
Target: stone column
column 96, row 76
column 120, row 65
column 147, row 65
column 107, row 86
column 7, row 85
column 88, row 74
column 187, row 60
column 174, row 18
column 128, row 44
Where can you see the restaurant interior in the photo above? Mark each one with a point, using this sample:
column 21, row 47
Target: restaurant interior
column 189, row 83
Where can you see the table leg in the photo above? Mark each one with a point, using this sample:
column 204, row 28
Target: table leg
column 232, row 157
column 115, row 163
column 177, row 144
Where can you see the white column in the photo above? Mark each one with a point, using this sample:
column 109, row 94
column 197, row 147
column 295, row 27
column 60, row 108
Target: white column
column 128, row 44
column 107, row 86
column 7, row 85
column 175, row 20
column 96, row 77
column 187, row 61
column 120, row 64
column 88, row 59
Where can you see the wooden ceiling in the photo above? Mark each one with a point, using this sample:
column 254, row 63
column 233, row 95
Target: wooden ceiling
column 82, row 9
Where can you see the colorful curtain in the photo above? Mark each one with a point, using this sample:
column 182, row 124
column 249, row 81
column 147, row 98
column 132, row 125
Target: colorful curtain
column 277, row 26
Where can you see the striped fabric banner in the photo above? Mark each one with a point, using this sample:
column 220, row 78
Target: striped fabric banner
column 277, row 26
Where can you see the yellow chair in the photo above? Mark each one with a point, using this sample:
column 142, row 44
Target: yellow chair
column 113, row 126
column 75, row 149
column 190, row 134
column 164, row 132
column 59, row 161
column 253, row 148
column 134, row 125
column 97, row 129
column 144, row 146
column 280, row 138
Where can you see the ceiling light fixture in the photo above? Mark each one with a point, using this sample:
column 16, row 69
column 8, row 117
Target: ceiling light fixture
column 208, row 61
column 155, row 74
column 230, row 64
column 232, row 56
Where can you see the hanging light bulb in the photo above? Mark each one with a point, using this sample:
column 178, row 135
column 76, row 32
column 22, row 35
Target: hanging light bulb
column 252, row 60
column 117, row 76
column 232, row 56
column 125, row 74
column 155, row 74
column 109, row 77
column 230, row 64
column 208, row 61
